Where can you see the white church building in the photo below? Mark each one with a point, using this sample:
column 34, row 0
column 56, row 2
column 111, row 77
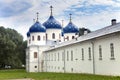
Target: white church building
column 54, row 48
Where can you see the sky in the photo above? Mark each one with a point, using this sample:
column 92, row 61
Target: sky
column 91, row 14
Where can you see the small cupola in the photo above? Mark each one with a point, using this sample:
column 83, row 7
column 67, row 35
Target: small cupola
column 70, row 28
column 37, row 27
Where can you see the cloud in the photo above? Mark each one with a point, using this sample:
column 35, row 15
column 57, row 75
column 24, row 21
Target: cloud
column 93, row 14
column 11, row 9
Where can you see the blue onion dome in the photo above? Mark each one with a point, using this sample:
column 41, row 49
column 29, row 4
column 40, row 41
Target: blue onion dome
column 37, row 27
column 70, row 28
column 52, row 22
column 28, row 34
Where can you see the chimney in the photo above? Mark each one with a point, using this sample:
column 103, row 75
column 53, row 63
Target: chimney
column 113, row 21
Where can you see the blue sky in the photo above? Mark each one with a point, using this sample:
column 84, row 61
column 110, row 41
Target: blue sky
column 92, row 14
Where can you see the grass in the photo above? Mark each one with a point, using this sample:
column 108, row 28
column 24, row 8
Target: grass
column 17, row 74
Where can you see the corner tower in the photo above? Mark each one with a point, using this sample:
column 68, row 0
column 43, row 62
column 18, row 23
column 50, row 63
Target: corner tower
column 36, row 38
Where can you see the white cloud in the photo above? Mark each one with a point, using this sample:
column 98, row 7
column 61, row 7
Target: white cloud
column 24, row 20
column 97, row 21
column 104, row 2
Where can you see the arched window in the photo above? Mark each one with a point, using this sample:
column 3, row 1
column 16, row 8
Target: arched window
column 73, row 37
column 58, row 57
column 67, row 38
column 82, row 54
column 32, row 38
column 59, row 36
column 38, row 38
column 53, row 36
column 100, row 52
column 43, row 37
column 112, row 51
column 35, row 54
column 67, row 55
column 71, row 55
column 89, row 51
column 46, row 36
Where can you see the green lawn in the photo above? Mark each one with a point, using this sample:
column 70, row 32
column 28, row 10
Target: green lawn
column 17, row 74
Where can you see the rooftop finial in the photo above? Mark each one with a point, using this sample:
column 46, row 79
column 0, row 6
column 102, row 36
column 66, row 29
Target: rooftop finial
column 33, row 20
column 70, row 17
column 51, row 10
column 62, row 23
column 37, row 16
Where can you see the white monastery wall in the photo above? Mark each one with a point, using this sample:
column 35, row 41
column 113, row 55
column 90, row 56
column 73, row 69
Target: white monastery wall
column 107, row 65
column 69, row 63
column 84, row 63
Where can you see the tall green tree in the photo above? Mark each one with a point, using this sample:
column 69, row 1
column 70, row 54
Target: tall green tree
column 12, row 48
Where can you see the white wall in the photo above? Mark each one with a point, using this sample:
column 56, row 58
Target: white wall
column 77, row 65
column 56, row 31
column 106, row 66
column 36, row 42
column 31, row 62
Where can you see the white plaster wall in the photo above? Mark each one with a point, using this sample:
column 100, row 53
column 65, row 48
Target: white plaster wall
column 86, row 65
column 53, row 65
column 57, row 33
column 32, row 62
column 106, row 66
column 77, row 64
column 36, row 42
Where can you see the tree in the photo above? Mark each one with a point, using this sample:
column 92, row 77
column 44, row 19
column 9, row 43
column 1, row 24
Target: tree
column 12, row 48
column 82, row 31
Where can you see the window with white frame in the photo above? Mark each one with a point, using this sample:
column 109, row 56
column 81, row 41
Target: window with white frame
column 112, row 51
column 46, row 36
column 32, row 38
column 67, row 55
column 71, row 55
column 53, row 35
column 35, row 54
column 58, row 56
column 89, row 51
column 51, row 57
column 82, row 53
column 100, row 52
column 62, row 56
column 38, row 38
column 55, row 56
